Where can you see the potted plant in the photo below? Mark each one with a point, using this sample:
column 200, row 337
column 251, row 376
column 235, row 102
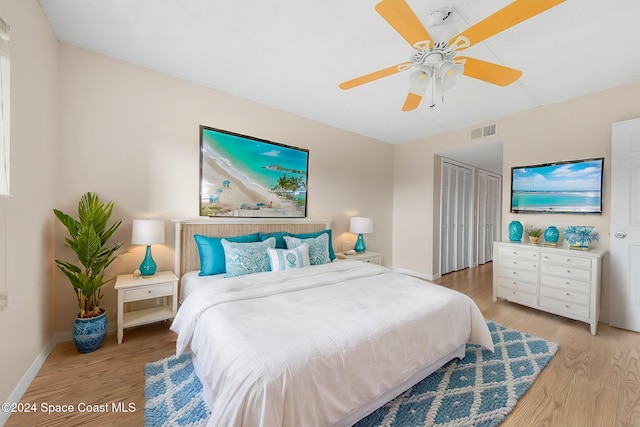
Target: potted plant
column 88, row 238
column 534, row 235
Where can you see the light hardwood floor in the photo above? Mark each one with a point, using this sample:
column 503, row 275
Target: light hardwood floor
column 592, row 380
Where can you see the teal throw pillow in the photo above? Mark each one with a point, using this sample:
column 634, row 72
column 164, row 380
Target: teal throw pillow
column 212, row 254
column 279, row 236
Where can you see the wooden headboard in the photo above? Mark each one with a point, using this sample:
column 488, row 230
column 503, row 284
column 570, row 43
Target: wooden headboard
column 186, row 254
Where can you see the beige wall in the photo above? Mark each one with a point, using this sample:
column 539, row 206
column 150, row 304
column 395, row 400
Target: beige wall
column 131, row 135
column 574, row 129
column 26, row 326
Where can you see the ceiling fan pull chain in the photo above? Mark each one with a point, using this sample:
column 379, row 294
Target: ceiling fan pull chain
column 433, row 90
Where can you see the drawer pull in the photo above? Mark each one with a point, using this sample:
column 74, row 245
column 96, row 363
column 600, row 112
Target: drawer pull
column 149, row 291
column 566, row 306
column 567, row 294
column 513, row 292
column 568, row 259
column 567, row 283
column 568, row 271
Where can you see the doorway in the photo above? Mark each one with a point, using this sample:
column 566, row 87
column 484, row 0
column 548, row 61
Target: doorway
column 488, row 214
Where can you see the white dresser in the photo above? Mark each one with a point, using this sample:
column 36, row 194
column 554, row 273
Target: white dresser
column 558, row 280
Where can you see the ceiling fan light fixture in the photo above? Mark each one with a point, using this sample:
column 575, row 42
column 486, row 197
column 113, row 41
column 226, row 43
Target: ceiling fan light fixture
column 450, row 70
column 419, row 82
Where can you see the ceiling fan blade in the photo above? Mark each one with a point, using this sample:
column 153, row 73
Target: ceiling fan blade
column 412, row 102
column 516, row 12
column 375, row 75
column 488, row 71
column 402, row 18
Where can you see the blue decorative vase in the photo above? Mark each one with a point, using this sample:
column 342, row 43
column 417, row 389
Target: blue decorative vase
column 359, row 246
column 551, row 234
column 88, row 334
column 148, row 266
column 515, row 231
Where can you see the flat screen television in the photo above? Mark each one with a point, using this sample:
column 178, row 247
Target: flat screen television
column 573, row 186
column 245, row 176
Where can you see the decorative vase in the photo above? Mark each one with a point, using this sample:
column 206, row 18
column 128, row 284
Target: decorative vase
column 515, row 231
column 551, row 235
column 89, row 333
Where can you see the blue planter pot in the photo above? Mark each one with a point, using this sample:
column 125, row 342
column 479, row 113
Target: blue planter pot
column 88, row 334
column 551, row 234
column 515, row 231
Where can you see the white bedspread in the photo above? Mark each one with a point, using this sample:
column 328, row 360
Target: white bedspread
column 306, row 347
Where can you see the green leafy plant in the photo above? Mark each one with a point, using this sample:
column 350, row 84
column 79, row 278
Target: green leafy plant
column 88, row 238
column 534, row 232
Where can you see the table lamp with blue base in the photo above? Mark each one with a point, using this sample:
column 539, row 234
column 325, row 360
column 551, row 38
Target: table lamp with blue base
column 147, row 232
column 360, row 225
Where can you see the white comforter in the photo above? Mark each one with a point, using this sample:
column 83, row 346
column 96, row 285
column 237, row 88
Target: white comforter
column 309, row 346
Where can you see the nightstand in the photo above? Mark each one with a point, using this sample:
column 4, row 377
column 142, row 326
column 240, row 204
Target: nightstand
column 367, row 256
column 163, row 285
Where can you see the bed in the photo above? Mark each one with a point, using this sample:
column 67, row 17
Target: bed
column 323, row 345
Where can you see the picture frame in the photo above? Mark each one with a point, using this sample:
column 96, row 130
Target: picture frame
column 249, row 177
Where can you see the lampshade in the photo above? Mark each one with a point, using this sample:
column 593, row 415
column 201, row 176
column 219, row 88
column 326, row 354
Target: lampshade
column 360, row 225
column 147, row 232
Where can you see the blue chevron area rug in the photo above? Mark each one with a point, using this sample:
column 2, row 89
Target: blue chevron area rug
column 479, row 390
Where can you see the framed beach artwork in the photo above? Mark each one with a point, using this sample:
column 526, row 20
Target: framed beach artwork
column 244, row 176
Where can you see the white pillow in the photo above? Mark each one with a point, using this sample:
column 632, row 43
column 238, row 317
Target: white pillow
column 284, row 259
column 318, row 247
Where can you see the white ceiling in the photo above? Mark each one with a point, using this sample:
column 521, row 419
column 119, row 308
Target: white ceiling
column 292, row 54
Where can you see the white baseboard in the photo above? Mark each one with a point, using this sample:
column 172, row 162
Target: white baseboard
column 26, row 379
column 417, row 274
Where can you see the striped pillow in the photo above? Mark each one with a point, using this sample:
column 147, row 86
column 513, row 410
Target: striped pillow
column 284, row 259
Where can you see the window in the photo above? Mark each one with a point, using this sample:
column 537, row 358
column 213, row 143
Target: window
column 5, row 117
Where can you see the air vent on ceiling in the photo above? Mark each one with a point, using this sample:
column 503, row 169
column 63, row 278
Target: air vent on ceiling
column 484, row 131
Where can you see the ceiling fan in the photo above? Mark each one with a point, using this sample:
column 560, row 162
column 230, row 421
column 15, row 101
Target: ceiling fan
column 435, row 58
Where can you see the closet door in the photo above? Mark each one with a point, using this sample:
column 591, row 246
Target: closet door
column 489, row 204
column 456, row 214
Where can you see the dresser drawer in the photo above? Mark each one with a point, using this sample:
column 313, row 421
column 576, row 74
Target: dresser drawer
column 566, row 283
column 517, row 253
column 519, row 285
column 566, row 307
column 566, row 271
column 515, row 295
column 565, row 295
column 569, row 261
column 518, row 264
column 521, row 275
column 159, row 290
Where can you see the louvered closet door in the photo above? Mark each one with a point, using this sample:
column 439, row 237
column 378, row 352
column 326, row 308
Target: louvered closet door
column 456, row 216
column 446, row 219
column 489, row 202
